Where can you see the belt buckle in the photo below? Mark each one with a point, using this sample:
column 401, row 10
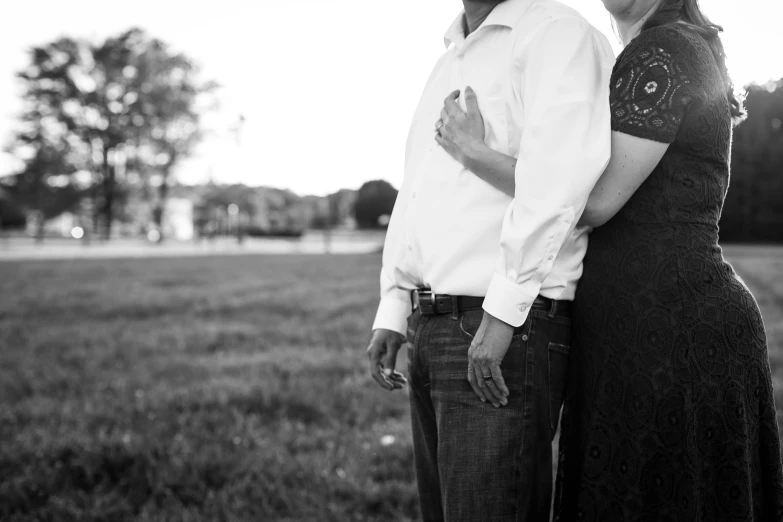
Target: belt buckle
column 426, row 302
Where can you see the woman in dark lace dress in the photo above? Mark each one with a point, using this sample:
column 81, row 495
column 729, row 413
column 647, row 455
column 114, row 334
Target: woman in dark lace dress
column 670, row 414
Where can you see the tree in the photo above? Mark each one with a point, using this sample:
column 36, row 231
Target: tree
column 46, row 186
column 51, row 155
column 126, row 103
column 11, row 215
column 171, row 111
column 753, row 209
column 375, row 199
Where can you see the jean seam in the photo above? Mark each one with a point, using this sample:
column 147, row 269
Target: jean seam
column 529, row 374
column 549, row 389
column 416, row 358
column 550, row 394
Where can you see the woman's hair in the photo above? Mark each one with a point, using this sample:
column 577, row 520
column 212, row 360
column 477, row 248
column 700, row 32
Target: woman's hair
column 688, row 13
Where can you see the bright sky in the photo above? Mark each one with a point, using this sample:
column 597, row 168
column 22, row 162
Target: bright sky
column 328, row 88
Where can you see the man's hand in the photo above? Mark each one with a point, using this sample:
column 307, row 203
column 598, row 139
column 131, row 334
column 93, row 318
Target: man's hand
column 487, row 351
column 382, row 353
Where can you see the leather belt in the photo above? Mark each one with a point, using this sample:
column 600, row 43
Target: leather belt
column 429, row 303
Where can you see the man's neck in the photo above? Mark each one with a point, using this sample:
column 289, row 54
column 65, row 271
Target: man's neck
column 476, row 11
column 630, row 23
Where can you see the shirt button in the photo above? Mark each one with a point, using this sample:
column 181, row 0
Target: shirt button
column 413, row 195
column 551, row 258
column 523, row 307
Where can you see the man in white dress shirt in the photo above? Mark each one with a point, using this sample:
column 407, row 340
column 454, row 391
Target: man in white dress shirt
column 480, row 282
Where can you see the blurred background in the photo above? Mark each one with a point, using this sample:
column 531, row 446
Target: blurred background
column 192, row 201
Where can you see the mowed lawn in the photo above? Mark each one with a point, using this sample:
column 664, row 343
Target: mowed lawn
column 216, row 388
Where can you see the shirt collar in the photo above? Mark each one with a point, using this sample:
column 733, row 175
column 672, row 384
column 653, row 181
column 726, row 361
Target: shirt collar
column 506, row 13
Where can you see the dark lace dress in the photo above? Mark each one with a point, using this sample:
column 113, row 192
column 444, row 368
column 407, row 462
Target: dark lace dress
column 670, row 413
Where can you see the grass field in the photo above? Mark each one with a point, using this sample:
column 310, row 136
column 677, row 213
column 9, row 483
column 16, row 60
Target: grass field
column 216, row 388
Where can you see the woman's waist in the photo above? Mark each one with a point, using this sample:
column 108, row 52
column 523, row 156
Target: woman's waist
column 663, row 258
column 665, row 234
column 624, row 221
column 646, row 247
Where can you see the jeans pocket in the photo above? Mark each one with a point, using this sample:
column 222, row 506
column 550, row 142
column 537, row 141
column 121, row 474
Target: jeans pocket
column 470, row 321
column 558, row 355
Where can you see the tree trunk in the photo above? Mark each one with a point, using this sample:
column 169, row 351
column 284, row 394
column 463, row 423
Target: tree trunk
column 96, row 209
column 39, row 214
column 108, row 193
column 163, row 194
column 40, row 228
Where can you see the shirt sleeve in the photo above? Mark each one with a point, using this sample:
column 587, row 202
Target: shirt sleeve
column 565, row 147
column 395, row 305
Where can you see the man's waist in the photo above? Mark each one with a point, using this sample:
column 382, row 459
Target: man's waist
column 474, row 280
column 465, row 265
column 430, row 303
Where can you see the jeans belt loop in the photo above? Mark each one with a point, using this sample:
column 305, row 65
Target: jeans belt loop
column 552, row 309
column 454, row 308
column 430, row 306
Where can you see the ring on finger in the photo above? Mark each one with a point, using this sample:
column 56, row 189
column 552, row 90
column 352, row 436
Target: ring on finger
column 438, row 125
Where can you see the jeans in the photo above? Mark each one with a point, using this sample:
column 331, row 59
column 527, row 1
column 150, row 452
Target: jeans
column 475, row 462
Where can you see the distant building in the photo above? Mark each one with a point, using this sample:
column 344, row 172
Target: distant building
column 62, row 225
column 178, row 219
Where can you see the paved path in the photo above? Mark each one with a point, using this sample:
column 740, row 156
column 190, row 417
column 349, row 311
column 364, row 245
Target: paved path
column 20, row 249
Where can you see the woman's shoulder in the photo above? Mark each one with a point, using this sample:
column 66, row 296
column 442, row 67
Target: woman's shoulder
column 675, row 42
column 657, row 78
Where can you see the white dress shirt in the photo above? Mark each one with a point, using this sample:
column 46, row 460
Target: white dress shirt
column 541, row 74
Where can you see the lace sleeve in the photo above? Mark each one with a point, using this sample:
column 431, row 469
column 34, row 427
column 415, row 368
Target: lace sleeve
column 650, row 89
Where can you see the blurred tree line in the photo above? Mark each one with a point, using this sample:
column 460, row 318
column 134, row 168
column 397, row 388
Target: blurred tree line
column 98, row 118
column 267, row 211
column 105, row 123
column 754, row 205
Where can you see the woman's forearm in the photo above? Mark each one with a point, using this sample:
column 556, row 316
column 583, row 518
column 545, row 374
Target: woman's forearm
column 492, row 166
column 633, row 160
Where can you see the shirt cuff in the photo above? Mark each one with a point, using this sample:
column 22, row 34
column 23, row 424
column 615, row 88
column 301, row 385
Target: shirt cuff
column 509, row 301
column 393, row 314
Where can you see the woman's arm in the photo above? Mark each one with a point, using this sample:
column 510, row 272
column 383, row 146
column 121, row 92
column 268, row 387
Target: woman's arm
column 633, row 160
column 461, row 134
column 492, row 166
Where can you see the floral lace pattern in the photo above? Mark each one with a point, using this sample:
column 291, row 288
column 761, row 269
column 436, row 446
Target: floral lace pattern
column 670, row 412
column 651, row 95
